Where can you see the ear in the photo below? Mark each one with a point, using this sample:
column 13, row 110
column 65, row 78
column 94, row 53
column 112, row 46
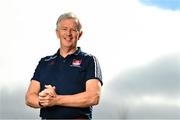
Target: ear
column 80, row 34
column 57, row 34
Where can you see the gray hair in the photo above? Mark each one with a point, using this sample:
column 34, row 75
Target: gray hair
column 69, row 15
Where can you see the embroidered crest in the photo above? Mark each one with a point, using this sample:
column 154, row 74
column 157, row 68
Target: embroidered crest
column 76, row 63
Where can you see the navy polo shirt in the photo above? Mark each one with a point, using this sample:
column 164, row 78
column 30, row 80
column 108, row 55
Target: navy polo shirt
column 69, row 75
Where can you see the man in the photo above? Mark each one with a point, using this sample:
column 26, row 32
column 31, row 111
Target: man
column 67, row 84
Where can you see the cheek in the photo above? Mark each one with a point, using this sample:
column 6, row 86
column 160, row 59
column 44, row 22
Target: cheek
column 59, row 35
column 76, row 36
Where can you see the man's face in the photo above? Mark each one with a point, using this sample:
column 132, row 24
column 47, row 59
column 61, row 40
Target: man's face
column 68, row 33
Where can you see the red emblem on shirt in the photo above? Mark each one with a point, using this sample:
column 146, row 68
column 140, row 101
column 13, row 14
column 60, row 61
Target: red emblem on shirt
column 76, row 62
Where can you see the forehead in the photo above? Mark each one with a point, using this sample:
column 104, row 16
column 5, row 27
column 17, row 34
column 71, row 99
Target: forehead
column 68, row 22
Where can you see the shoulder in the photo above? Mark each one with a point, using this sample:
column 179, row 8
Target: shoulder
column 83, row 54
column 89, row 58
column 86, row 55
column 48, row 58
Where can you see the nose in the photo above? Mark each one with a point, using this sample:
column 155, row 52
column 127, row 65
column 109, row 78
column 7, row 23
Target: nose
column 69, row 32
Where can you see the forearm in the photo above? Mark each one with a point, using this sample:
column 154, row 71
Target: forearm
column 32, row 100
column 84, row 99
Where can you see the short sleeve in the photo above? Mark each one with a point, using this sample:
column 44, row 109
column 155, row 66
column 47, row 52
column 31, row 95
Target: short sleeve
column 93, row 70
column 37, row 71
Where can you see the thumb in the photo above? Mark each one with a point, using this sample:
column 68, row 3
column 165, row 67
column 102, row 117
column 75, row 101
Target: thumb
column 48, row 86
column 54, row 87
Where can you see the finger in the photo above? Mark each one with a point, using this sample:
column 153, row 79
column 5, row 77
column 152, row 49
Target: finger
column 43, row 93
column 48, row 97
column 49, row 92
column 48, row 86
column 49, row 89
column 54, row 87
column 42, row 99
column 44, row 104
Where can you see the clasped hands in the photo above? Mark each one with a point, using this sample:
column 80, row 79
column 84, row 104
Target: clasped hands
column 47, row 97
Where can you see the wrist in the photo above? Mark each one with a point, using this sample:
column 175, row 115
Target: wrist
column 57, row 100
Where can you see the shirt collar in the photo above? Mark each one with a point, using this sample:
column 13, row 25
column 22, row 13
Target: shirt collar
column 77, row 52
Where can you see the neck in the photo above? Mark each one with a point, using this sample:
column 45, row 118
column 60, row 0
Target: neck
column 66, row 51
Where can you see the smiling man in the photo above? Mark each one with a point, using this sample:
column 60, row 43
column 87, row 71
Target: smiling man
column 67, row 84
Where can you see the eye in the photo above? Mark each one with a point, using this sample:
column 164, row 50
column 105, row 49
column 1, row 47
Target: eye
column 64, row 28
column 74, row 30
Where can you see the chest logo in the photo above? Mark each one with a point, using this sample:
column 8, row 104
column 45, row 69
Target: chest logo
column 76, row 63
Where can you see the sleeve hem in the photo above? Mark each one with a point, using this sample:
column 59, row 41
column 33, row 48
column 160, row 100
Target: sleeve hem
column 96, row 79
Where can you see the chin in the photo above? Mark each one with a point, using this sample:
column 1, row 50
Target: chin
column 68, row 46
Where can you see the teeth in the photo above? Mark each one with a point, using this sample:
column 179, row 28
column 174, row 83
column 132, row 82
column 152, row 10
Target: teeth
column 67, row 38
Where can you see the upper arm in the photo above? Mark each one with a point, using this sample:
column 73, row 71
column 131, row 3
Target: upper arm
column 93, row 91
column 93, row 71
column 93, row 85
column 93, row 76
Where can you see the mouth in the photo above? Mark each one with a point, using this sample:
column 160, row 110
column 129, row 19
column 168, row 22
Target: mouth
column 68, row 38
